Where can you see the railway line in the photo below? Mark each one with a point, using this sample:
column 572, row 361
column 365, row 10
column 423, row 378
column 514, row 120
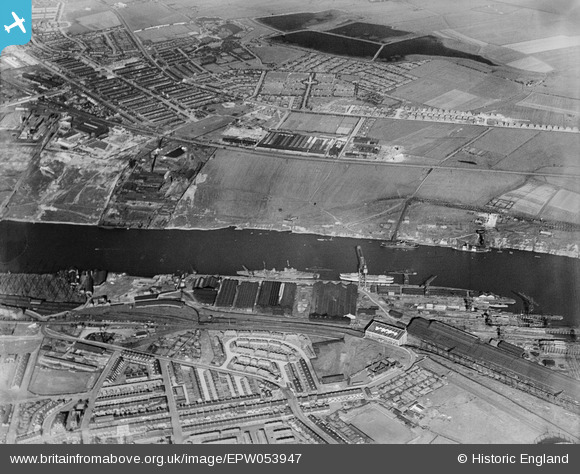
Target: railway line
column 204, row 318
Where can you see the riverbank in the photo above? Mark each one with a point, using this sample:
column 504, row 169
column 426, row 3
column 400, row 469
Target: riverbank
column 43, row 248
column 419, row 227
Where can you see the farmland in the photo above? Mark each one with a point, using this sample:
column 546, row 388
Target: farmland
column 562, row 105
column 544, row 151
column 465, row 187
column 452, row 86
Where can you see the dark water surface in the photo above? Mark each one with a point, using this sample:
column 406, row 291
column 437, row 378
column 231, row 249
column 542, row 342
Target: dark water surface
column 368, row 31
column 339, row 45
column 330, row 44
column 552, row 281
column 296, row 21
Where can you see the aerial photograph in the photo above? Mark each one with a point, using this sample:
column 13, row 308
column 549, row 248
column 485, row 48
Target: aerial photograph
column 290, row 222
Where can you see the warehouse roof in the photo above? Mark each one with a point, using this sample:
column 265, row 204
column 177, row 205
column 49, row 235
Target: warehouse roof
column 463, row 344
column 387, row 330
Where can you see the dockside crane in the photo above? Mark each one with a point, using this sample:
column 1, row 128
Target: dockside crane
column 427, row 284
column 529, row 302
column 362, row 266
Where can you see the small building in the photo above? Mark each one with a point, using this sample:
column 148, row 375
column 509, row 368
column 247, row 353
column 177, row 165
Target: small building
column 386, row 333
column 335, row 378
column 175, row 153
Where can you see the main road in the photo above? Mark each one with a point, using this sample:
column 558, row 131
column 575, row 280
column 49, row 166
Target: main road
column 178, row 436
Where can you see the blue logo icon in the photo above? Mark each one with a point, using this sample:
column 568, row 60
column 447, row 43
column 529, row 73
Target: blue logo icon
column 16, row 19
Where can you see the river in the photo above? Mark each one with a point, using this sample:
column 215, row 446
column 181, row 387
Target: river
column 552, row 281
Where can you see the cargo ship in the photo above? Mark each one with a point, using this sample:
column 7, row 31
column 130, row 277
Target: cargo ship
column 465, row 247
column 287, row 274
column 399, row 244
column 372, row 279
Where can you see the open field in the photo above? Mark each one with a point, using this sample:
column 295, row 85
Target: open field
column 544, row 151
column 204, row 126
column 166, row 33
column 530, row 198
column 545, row 44
column 298, row 21
column 146, row 14
column 333, row 124
column 561, row 60
column 527, row 25
column 275, row 54
column 83, row 8
column 503, row 141
column 425, row 139
column 466, row 187
column 455, row 412
column 238, row 187
column 514, row 415
column 373, row 421
column 52, row 382
column 458, row 100
column 451, row 86
column 60, row 184
column 562, row 105
column 22, row 346
column 539, row 199
column 531, row 64
column 99, row 21
column 15, row 159
column 564, row 206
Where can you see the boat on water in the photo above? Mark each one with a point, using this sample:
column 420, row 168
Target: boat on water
column 493, row 301
column 399, row 244
column 378, row 279
column 287, row 274
column 465, row 247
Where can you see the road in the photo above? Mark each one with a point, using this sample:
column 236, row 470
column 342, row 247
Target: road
column 295, row 407
column 85, row 434
column 164, row 361
column 175, row 423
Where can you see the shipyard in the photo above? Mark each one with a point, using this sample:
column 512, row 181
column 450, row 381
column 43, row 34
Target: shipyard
column 258, row 335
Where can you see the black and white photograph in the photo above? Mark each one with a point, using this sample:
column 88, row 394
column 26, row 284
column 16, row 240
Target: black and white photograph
column 266, row 222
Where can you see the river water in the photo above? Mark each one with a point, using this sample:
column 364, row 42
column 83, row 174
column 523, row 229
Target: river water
column 552, row 281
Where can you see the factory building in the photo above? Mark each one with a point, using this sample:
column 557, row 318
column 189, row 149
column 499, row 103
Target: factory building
column 386, row 333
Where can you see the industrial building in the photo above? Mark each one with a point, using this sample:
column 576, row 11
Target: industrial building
column 502, row 363
column 387, row 333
